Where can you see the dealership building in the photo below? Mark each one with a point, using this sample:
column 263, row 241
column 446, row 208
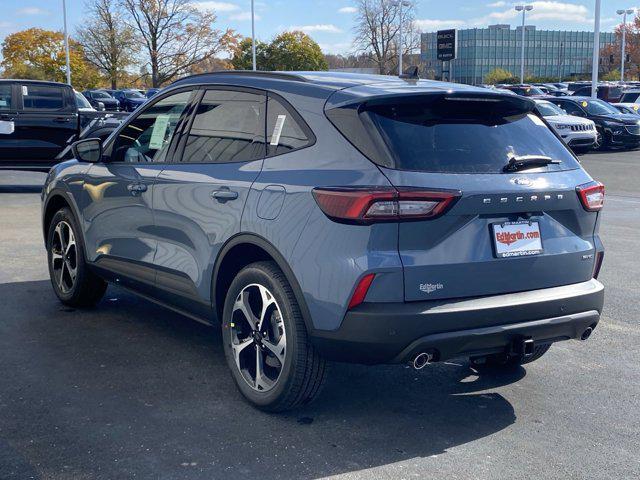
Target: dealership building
column 548, row 53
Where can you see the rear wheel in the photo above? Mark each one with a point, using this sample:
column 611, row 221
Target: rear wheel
column 73, row 282
column 265, row 341
column 506, row 361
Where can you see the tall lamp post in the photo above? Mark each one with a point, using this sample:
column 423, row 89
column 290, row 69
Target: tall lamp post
column 400, row 4
column 253, row 37
column 66, row 40
column 624, row 14
column 596, row 51
column 524, row 9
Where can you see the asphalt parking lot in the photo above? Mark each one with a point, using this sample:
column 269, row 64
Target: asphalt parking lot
column 130, row 390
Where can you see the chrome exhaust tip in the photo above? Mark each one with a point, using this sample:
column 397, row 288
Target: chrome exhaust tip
column 421, row 360
column 586, row 334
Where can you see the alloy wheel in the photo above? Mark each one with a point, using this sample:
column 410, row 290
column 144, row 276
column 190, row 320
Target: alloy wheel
column 258, row 337
column 599, row 139
column 64, row 257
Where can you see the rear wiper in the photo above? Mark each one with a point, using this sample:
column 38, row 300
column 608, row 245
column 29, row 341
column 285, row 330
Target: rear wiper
column 523, row 162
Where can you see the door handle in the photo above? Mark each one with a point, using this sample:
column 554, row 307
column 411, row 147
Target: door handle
column 224, row 194
column 136, row 188
column 62, row 119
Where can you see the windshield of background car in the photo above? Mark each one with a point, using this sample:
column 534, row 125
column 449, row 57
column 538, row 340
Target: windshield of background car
column 528, row 91
column 101, row 95
column 82, row 102
column 460, row 136
column 134, row 95
column 630, row 97
column 548, row 109
column 599, row 107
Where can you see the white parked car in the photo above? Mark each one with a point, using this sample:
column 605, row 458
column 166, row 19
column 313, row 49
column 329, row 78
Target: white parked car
column 579, row 133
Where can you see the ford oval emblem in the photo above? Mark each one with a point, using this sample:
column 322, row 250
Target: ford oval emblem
column 521, row 181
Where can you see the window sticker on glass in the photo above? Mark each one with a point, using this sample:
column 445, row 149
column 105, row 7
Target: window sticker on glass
column 25, row 90
column 277, row 130
column 6, row 127
column 159, row 132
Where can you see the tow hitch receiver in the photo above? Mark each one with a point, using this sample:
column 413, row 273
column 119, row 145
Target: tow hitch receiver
column 522, row 347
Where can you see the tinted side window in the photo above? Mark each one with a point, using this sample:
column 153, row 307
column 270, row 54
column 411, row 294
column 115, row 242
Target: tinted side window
column 284, row 133
column 42, row 97
column 147, row 137
column 630, row 97
column 228, row 127
column 5, row 97
column 571, row 108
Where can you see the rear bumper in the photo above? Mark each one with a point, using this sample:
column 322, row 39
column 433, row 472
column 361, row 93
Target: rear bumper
column 394, row 333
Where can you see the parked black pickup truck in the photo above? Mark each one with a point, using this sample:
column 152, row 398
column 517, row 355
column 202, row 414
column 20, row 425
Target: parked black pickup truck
column 39, row 121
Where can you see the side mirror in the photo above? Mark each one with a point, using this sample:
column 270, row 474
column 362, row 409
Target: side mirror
column 88, row 150
column 100, row 107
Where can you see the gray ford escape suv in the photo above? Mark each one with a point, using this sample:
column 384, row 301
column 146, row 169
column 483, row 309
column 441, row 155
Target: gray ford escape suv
column 324, row 216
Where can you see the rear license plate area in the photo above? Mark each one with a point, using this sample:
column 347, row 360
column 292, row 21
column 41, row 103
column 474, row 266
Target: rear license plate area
column 516, row 239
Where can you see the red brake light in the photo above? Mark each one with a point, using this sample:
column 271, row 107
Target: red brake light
column 591, row 195
column 361, row 290
column 376, row 204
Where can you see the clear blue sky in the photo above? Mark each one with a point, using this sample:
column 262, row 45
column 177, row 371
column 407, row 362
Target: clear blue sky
column 330, row 22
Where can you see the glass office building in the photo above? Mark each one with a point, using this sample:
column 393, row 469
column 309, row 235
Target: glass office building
column 548, row 53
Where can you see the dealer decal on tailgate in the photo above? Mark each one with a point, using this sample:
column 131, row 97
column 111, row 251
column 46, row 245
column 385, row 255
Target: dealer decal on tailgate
column 517, row 239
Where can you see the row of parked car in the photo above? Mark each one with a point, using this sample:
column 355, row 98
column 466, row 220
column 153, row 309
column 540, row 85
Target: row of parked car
column 118, row 100
column 610, row 121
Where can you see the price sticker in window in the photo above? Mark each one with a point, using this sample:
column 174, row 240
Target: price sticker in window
column 159, row 132
column 277, row 130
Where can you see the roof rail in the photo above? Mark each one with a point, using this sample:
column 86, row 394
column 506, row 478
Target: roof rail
column 251, row 73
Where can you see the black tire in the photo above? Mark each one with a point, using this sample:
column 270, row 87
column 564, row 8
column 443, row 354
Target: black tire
column 505, row 361
column 300, row 376
column 86, row 289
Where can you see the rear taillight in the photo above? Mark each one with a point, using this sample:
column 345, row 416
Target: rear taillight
column 379, row 204
column 591, row 195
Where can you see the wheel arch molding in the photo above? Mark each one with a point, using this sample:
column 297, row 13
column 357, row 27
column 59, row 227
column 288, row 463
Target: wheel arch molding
column 56, row 199
column 261, row 249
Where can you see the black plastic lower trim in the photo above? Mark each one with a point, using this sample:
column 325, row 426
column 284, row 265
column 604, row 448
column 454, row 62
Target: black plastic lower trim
column 393, row 332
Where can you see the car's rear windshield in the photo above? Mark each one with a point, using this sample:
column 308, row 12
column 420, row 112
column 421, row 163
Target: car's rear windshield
column 459, row 136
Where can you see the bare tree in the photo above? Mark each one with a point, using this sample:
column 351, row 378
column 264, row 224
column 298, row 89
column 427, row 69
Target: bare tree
column 376, row 32
column 175, row 35
column 107, row 40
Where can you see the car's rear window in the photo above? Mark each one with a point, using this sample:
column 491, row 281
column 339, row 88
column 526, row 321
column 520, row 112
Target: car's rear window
column 458, row 136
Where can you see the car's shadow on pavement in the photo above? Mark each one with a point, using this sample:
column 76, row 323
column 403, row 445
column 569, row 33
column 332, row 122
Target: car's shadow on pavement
column 131, row 389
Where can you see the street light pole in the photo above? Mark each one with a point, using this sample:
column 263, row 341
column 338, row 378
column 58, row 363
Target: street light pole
column 66, row 40
column 524, row 9
column 624, row 38
column 400, row 4
column 596, row 51
column 253, row 36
